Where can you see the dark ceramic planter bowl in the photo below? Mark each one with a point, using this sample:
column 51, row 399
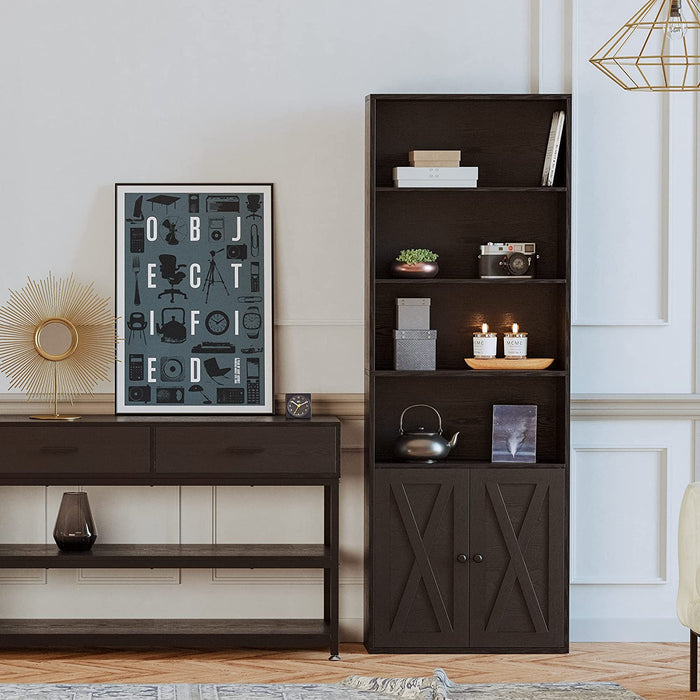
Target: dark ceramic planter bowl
column 421, row 269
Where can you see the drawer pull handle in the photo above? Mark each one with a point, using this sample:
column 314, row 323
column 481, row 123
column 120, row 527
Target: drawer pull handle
column 244, row 450
column 58, row 449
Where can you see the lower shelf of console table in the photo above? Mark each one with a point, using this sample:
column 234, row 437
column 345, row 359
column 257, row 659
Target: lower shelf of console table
column 240, row 451
column 215, row 633
column 190, row 633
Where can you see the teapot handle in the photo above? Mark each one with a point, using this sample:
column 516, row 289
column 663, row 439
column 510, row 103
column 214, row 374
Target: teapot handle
column 417, row 405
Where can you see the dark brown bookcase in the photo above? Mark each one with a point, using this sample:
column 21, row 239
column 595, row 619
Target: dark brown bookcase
column 465, row 555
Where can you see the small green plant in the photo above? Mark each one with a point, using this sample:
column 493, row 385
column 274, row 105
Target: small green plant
column 411, row 256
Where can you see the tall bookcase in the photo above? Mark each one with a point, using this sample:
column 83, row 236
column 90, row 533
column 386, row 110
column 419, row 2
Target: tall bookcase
column 463, row 554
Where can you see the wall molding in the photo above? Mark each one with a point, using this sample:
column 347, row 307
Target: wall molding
column 666, row 186
column 319, row 322
column 696, row 226
column 276, row 578
column 128, row 577
column 536, row 39
column 345, row 406
column 351, row 407
column 24, row 577
column 635, row 406
column 664, row 523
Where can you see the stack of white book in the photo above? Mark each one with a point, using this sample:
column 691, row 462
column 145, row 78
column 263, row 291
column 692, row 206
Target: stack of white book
column 436, row 177
column 435, row 169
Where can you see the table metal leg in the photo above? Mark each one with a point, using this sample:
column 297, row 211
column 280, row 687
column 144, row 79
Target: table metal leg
column 330, row 575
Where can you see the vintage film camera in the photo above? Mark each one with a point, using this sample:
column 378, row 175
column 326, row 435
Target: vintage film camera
column 508, row 260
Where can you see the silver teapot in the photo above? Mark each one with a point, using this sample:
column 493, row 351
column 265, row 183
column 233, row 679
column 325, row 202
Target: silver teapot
column 421, row 445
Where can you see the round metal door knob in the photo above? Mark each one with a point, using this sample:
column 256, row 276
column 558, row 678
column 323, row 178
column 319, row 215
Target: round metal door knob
column 462, row 557
column 477, row 558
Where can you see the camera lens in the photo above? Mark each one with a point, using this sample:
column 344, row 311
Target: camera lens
column 518, row 264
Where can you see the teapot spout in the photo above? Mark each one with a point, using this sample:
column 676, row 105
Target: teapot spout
column 453, row 440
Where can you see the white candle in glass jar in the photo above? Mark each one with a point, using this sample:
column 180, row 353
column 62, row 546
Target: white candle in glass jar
column 485, row 343
column 515, row 344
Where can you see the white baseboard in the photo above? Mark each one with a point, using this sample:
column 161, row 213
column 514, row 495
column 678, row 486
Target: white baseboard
column 351, row 630
column 638, row 629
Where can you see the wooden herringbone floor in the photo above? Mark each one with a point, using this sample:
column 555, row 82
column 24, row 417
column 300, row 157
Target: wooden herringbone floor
column 655, row 671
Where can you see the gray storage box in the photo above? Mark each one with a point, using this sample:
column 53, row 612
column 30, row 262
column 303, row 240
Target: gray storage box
column 413, row 314
column 414, row 349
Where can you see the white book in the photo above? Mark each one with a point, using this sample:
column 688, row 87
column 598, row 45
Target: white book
column 435, row 183
column 553, row 143
column 406, row 173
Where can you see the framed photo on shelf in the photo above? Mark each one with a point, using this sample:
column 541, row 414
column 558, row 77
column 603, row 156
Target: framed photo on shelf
column 194, row 298
column 514, row 437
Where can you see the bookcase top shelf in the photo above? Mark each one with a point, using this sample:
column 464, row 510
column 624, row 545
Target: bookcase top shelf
column 472, row 189
column 459, row 97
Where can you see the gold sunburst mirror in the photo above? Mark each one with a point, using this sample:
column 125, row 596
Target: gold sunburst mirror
column 57, row 340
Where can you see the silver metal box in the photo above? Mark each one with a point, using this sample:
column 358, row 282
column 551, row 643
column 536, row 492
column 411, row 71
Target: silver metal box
column 412, row 314
column 414, row 349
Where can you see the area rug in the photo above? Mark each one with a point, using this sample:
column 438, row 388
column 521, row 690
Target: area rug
column 436, row 687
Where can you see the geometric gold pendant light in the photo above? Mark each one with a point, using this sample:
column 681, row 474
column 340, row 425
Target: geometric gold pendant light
column 656, row 50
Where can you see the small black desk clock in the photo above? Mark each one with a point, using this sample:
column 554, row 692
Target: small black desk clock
column 297, row 405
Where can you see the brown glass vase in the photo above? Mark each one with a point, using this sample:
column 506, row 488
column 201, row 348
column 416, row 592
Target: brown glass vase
column 75, row 529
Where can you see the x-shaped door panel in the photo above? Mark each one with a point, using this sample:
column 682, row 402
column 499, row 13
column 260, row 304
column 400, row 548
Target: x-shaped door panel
column 516, row 590
column 422, row 524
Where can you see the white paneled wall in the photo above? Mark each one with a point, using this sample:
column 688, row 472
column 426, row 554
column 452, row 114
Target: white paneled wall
column 635, row 322
column 627, row 481
column 274, row 91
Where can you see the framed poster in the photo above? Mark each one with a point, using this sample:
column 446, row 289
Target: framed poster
column 194, row 298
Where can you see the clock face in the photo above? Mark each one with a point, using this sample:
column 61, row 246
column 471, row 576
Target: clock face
column 217, row 323
column 251, row 320
column 298, row 405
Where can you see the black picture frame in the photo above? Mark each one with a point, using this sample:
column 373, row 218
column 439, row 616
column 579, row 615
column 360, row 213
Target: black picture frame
column 194, row 298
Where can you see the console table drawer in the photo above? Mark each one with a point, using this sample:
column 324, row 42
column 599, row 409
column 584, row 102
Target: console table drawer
column 274, row 450
column 74, row 450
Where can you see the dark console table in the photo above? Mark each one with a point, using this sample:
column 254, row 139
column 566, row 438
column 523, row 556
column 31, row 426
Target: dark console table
column 212, row 450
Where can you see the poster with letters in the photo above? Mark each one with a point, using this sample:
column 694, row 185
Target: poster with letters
column 194, row 299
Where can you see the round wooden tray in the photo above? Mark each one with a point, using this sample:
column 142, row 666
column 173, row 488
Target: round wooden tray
column 502, row 363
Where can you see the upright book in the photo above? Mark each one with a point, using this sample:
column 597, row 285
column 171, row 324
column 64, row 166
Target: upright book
column 554, row 142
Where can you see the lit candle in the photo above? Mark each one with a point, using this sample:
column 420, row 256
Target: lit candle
column 515, row 344
column 485, row 343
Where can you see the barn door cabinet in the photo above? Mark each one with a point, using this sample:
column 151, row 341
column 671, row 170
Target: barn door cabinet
column 476, row 559
column 465, row 555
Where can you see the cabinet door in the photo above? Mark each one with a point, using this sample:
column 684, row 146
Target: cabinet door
column 420, row 589
column 517, row 589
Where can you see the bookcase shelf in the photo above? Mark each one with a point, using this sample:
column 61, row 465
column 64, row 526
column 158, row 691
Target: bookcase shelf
column 421, row 516
column 470, row 373
column 472, row 189
column 458, row 280
column 470, row 464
